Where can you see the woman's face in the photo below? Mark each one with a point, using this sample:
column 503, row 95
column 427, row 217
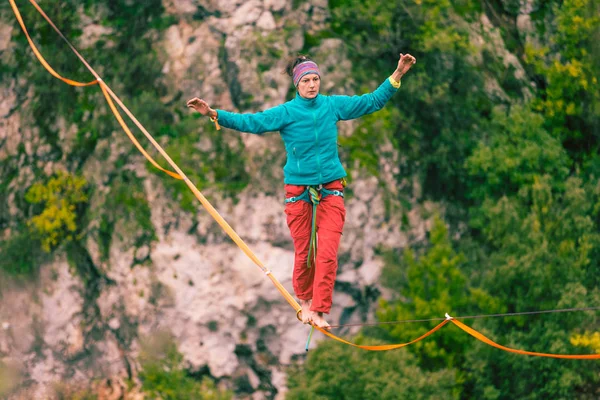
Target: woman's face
column 309, row 85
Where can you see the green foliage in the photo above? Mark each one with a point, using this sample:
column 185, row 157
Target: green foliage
column 336, row 371
column 544, row 239
column 60, row 197
column 545, row 257
column 440, row 102
column 540, row 227
column 568, row 65
column 124, row 211
column 21, row 254
column 528, row 206
column 430, row 286
column 515, row 151
column 370, row 135
column 126, row 59
column 519, row 180
column 163, row 376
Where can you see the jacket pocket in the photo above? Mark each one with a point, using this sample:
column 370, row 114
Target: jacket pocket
column 296, row 159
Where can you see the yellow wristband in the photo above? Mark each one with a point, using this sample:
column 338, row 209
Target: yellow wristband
column 395, row 83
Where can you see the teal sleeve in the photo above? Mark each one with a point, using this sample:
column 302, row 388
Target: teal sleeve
column 273, row 119
column 351, row 107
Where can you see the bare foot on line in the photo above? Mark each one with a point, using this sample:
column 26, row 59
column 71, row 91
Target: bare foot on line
column 320, row 322
column 307, row 315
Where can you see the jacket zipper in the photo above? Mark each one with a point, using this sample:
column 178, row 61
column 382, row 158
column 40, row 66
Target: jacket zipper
column 317, row 147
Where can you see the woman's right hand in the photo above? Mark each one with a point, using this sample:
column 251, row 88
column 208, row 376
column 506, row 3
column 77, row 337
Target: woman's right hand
column 405, row 62
column 201, row 106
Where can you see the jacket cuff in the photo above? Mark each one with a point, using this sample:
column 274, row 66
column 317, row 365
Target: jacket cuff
column 396, row 84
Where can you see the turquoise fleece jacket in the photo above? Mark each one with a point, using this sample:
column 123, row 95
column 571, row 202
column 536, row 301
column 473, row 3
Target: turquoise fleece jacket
column 309, row 131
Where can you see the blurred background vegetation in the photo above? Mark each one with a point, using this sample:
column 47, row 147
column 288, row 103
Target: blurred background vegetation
column 518, row 176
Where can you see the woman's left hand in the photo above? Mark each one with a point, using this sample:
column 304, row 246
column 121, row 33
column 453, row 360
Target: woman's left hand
column 405, row 62
column 201, row 106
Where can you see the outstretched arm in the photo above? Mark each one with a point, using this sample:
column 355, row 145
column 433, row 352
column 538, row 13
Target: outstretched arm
column 266, row 121
column 357, row 106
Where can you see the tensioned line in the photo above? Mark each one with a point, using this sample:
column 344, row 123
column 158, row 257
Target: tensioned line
column 562, row 310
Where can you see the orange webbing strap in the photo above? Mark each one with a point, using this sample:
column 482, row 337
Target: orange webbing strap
column 128, row 132
column 485, row 340
column 39, row 55
column 383, row 347
column 216, row 121
column 237, row 239
column 108, row 93
column 106, row 90
column 103, row 86
column 39, row 9
column 286, row 295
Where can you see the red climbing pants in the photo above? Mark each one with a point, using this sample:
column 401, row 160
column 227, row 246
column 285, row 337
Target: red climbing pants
column 317, row 282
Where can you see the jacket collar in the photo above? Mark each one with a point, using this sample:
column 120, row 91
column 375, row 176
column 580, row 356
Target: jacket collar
column 309, row 102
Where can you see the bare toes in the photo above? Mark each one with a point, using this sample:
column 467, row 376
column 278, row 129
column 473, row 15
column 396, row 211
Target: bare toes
column 321, row 323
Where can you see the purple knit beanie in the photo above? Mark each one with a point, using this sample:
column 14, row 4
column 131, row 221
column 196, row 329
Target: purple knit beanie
column 305, row 68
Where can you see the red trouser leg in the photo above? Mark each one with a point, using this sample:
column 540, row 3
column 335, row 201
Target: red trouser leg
column 316, row 282
column 299, row 220
column 331, row 215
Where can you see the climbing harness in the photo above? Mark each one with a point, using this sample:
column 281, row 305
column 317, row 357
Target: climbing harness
column 314, row 195
column 110, row 95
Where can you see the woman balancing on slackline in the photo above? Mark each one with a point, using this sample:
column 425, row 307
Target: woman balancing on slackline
column 313, row 174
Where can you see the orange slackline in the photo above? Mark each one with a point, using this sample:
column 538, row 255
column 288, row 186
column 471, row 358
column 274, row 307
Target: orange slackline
column 485, row 340
column 71, row 82
column 108, row 94
column 179, row 175
column 384, row 347
column 128, row 132
column 39, row 55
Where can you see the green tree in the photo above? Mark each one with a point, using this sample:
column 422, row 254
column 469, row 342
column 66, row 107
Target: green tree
column 429, row 286
column 545, row 258
column 440, row 107
column 336, row 371
column 515, row 151
column 60, row 197
column 568, row 65
column 540, row 229
column 163, row 376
